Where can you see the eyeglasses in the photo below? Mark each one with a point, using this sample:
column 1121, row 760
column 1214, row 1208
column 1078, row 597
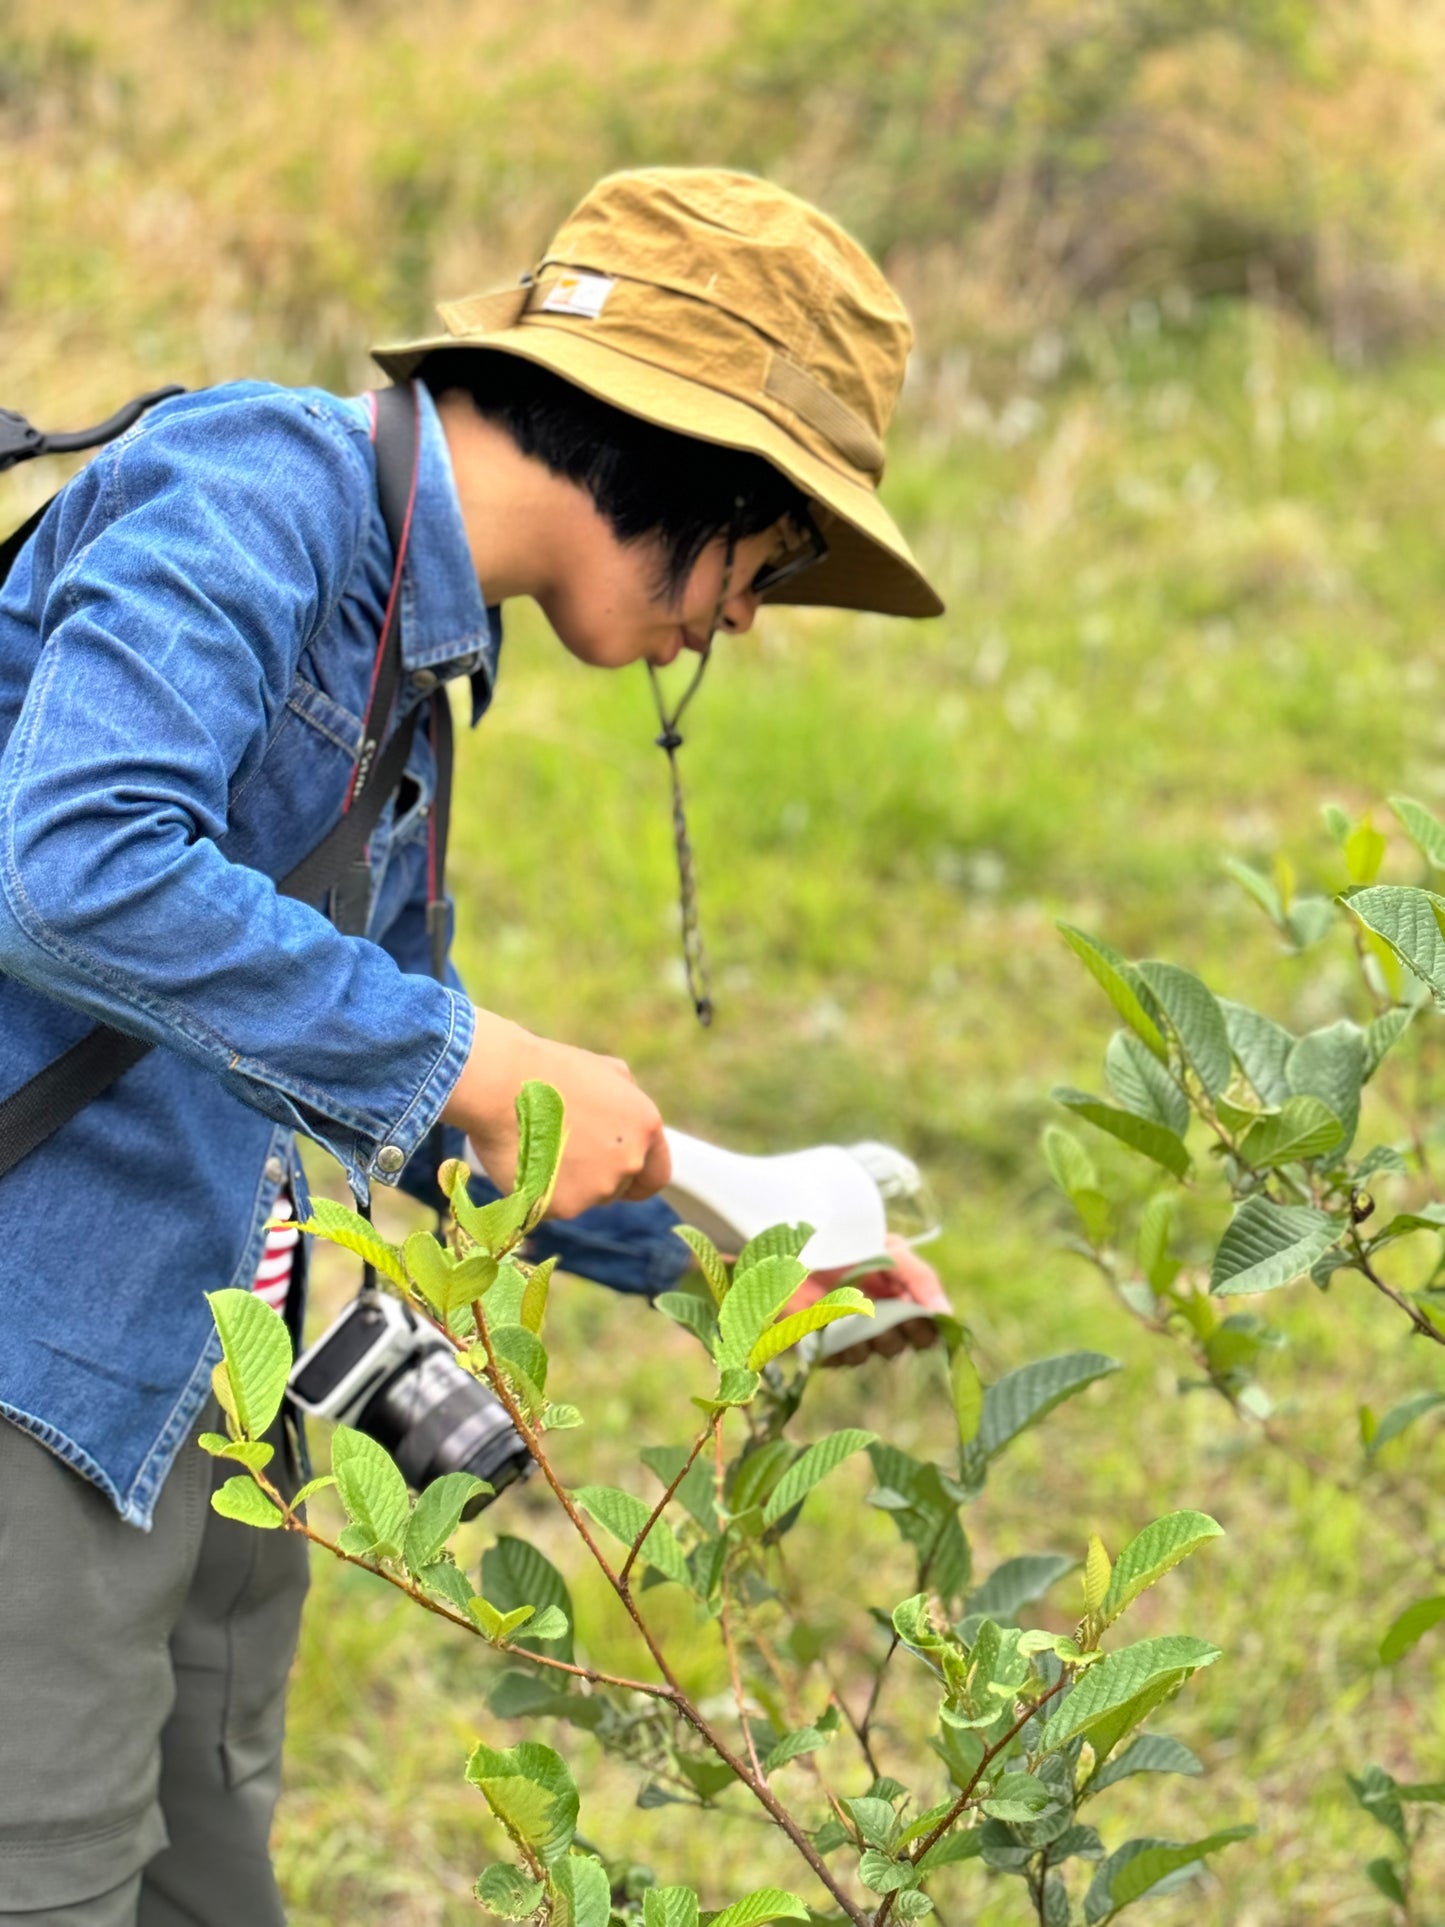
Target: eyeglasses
column 804, row 547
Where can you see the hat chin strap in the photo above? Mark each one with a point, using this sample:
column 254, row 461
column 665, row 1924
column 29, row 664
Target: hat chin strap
column 669, row 739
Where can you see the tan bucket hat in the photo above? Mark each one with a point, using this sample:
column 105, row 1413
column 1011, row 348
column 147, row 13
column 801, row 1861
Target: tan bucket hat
column 718, row 305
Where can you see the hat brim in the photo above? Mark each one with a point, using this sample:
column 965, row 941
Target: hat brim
column 868, row 566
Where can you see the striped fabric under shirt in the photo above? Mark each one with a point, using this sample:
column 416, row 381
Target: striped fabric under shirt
column 273, row 1274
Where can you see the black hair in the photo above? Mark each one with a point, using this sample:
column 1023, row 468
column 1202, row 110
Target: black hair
column 645, row 480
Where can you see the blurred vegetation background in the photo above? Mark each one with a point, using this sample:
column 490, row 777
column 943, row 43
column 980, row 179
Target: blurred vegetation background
column 1174, row 445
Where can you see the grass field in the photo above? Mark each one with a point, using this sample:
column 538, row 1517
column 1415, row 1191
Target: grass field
column 1193, row 596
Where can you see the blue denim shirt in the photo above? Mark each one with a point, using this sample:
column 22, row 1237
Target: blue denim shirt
column 186, row 647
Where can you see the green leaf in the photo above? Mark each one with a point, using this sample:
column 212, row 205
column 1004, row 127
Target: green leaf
column 669, row 1907
column 497, row 1226
column 1384, row 1879
column 845, row 1302
column 1261, row 1048
column 437, row 1515
column 1196, row 1019
column 472, row 1279
column 792, row 1746
column 778, row 1241
column 445, row 1581
column 1330, row 1064
column 1121, row 984
column 1406, row 1631
column 310, row 1489
column 756, row 1297
column 696, row 1491
column 339, row 1226
column 1023, row 1397
column 1408, row 921
column 1308, row 919
column 257, row 1348
column 549, row 1626
column 884, row 1876
column 1258, row 886
column 515, row 1573
column 1152, row 1553
column 813, row 1465
column 625, row 1517
column 581, row 1892
column 242, row 1499
column 1018, row 1582
column 531, row 1792
column 1139, row 1133
column 1364, row 852
column 1431, row 1792
column 736, row 1386
column 534, row 1298
column 1121, row 1677
column 1424, row 829
column 541, row 1135
column 875, row 1820
column 496, row 1624
column 1268, row 1245
column 508, row 1893
column 1018, row 1798
column 1070, row 1164
column 764, row 1903
column 255, row 1454
column 1151, row 1753
column 1143, row 1085
column 1382, row 1036
column 1156, row 1227
column 1379, row 1794
column 523, row 1349
column 372, row 1490
column 1147, row 1869
column 952, row 1848
column 913, row 1904
column 710, row 1263
column 561, row 1418
column 1304, row 1127
column 1403, row 1415
column 694, row 1314
column 1096, row 1575
column 967, row 1389
column 429, row 1266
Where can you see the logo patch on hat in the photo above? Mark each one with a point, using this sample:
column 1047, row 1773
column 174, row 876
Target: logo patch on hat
column 580, row 294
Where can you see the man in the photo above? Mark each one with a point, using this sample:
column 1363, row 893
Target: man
column 678, row 415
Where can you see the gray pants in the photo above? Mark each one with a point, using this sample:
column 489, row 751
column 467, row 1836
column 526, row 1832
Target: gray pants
column 142, row 1700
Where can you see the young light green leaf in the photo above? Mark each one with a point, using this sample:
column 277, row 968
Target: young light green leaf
column 429, row 1265
column 472, row 1279
column 1330, row 1064
column 1069, row 1163
column 812, row 1466
column 541, row 1135
column 437, row 1515
column 1304, row 1127
column 1408, row 921
column 1151, row 1753
column 515, row 1573
column 844, row 1302
column 257, row 1348
column 1018, row 1582
column 372, row 1490
column 1156, row 1227
column 694, row 1314
column 561, row 1418
column 756, row 1297
column 349, row 1229
column 1401, row 1416
column 1153, row 1552
column 1120, row 1678
column 497, row 1226
column 967, row 1389
column 495, row 1623
column 669, row 1907
column 1406, row 1631
column 509, row 1894
column 778, row 1241
column 711, row 1265
column 1121, row 984
column 764, row 1903
column 1145, row 1870
column 1096, row 1575
column 1139, row 1133
column 625, row 1516
column 532, row 1794
column 1196, row 1019
column 1143, row 1085
column 1423, row 827
column 311, row 1488
column 242, row 1499
column 1268, row 1245
column 534, row 1298
column 1261, row 1048
column 736, row 1386
column 1023, row 1397
column 254, row 1454
column 1364, row 852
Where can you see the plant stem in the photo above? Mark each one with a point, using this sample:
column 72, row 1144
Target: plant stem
column 735, row 1675
column 657, row 1511
column 1417, row 1318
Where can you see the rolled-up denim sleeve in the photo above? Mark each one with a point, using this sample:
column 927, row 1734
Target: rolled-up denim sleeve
column 170, row 638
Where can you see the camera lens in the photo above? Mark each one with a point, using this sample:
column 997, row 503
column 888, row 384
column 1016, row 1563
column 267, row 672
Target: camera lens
column 432, row 1417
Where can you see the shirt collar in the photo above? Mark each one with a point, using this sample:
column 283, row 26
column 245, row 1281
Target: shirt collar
column 445, row 621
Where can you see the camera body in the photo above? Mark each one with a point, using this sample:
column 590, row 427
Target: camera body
column 379, row 1368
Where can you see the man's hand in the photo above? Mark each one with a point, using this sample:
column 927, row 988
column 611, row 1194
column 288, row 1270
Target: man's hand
column 615, row 1148
column 909, row 1277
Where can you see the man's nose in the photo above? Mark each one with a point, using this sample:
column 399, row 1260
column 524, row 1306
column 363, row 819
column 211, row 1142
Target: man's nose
column 738, row 612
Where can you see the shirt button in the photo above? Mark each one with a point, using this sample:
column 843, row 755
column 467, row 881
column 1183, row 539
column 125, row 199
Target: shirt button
column 424, row 681
column 275, row 1171
column 390, row 1158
